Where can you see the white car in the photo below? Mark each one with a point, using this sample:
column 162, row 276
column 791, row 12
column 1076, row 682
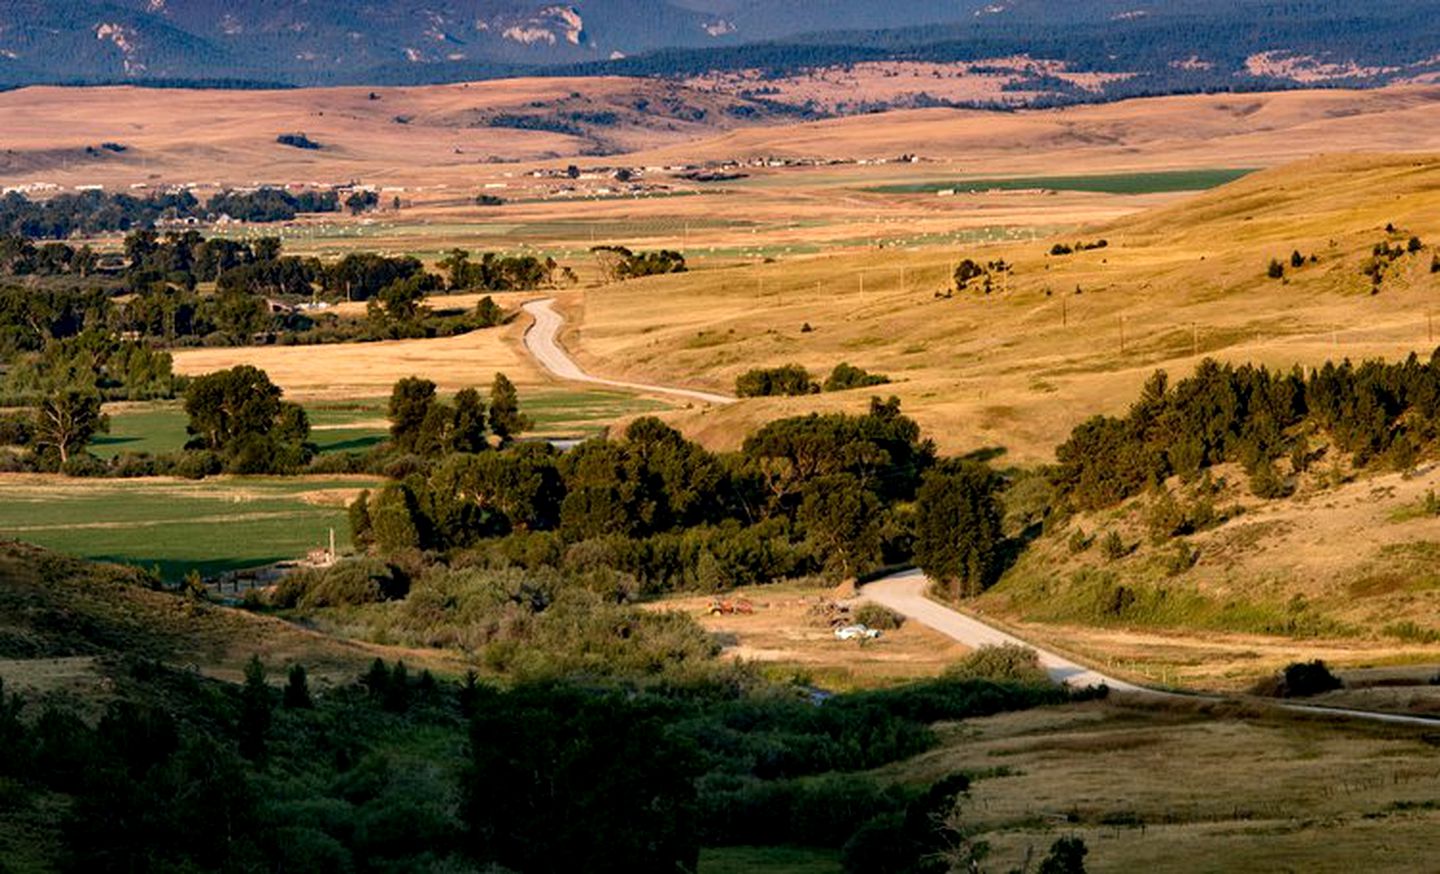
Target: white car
column 856, row 632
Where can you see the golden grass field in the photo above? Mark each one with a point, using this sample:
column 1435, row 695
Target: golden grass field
column 364, row 370
column 1197, row 788
column 1060, row 338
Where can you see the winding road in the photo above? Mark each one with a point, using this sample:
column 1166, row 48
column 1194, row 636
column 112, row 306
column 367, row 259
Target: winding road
column 543, row 343
column 904, row 592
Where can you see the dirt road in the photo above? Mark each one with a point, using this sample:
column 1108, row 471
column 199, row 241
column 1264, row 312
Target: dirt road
column 905, row 594
column 541, row 341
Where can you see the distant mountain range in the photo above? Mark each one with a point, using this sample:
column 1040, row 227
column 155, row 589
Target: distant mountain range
column 1141, row 46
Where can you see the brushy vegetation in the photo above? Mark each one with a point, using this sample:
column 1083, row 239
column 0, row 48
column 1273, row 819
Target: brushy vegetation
column 401, row 770
column 1007, row 663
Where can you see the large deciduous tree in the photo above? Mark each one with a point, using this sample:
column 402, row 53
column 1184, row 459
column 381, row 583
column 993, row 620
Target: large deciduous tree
column 506, row 420
column 239, row 414
column 67, row 420
column 958, row 527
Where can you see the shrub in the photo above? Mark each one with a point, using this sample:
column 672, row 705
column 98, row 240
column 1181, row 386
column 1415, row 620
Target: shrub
column 1266, row 482
column 297, row 141
column 1276, row 270
column 1302, row 680
column 1179, row 558
column 84, row 465
column 790, row 380
column 846, row 376
column 198, row 465
column 878, row 616
column 1112, row 547
column 1007, row 663
column 1080, row 541
column 133, row 465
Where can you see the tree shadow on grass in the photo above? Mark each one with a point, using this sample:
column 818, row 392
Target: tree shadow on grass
column 356, row 444
column 986, row 454
column 105, row 440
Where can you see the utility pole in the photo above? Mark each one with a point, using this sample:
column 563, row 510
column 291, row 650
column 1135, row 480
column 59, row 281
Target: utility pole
column 1122, row 335
column 1064, row 313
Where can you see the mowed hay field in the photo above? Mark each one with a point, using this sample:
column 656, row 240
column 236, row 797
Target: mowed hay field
column 360, row 370
column 1198, row 788
column 1059, row 338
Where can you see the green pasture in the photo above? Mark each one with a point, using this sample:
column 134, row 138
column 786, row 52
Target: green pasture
column 213, row 525
column 1160, row 182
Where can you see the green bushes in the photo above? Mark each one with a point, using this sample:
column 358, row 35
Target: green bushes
column 846, row 377
column 820, row 811
column 1302, row 680
column 790, row 380
column 1007, row 663
column 350, row 583
column 878, row 616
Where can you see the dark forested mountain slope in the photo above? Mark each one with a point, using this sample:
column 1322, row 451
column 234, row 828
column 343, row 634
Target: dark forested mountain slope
column 1171, row 45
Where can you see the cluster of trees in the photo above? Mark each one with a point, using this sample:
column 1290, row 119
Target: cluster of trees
column 238, row 417
column 163, row 303
column 184, row 773
column 617, row 263
column 64, row 383
column 421, row 424
column 833, row 494
column 91, row 361
column 793, row 380
column 266, row 205
column 89, row 212
column 500, row 272
column 1060, row 249
column 1384, row 254
column 96, row 212
column 1375, row 412
column 969, row 270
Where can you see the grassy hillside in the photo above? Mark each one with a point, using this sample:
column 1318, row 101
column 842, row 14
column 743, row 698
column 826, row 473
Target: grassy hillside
column 1343, row 570
column 1058, row 338
column 68, row 624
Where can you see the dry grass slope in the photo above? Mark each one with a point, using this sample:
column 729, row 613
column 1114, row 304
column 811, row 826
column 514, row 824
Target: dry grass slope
column 1059, row 338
